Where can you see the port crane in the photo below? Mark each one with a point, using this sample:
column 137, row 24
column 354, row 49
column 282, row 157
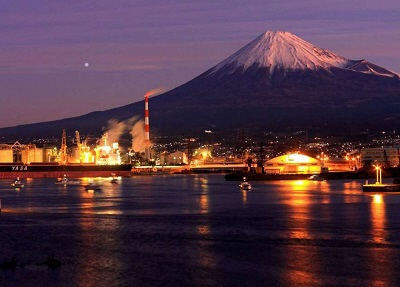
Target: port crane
column 64, row 147
column 78, row 144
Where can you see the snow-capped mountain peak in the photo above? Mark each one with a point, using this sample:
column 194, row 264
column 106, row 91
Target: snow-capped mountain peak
column 278, row 49
column 283, row 50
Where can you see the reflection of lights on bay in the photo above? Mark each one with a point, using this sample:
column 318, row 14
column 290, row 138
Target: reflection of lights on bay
column 204, row 203
column 378, row 219
column 377, row 198
column 203, row 229
column 352, row 185
column 244, row 194
column 298, row 182
column 299, row 185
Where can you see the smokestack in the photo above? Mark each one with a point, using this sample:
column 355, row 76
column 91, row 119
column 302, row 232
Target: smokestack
column 146, row 127
column 146, row 122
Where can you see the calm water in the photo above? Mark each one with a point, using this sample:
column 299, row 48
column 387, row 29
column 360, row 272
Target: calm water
column 195, row 230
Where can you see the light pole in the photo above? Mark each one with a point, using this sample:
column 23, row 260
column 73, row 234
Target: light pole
column 378, row 175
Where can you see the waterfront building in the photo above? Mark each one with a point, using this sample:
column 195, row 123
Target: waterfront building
column 385, row 156
column 175, row 158
column 21, row 153
column 292, row 163
column 178, row 158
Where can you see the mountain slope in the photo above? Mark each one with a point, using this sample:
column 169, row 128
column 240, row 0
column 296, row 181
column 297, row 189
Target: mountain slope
column 276, row 82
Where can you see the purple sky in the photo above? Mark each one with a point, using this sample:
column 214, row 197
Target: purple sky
column 133, row 46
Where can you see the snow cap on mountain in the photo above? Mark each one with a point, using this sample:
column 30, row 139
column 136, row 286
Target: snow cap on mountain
column 279, row 49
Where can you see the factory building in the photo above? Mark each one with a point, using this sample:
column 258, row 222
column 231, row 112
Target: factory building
column 386, row 156
column 175, row 158
column 292, row 163
column 25, row 154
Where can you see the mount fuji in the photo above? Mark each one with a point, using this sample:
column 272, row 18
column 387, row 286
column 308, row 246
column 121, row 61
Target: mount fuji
column 277, row 82
column 276, row 50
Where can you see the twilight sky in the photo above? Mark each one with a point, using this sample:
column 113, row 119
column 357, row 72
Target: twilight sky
column 132, row 46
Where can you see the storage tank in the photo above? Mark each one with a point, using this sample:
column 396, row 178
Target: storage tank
column 32, row 155
column 6, row 155
column 49, row 154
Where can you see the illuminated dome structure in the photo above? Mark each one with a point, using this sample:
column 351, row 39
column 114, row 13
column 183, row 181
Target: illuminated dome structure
column 292, row 163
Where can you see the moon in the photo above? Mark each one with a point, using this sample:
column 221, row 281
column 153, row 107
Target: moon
column 86, row 65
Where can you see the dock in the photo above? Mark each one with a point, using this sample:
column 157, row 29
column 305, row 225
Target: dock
column 380, row 187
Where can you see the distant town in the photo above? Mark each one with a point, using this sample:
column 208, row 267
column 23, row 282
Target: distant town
column 333, row 153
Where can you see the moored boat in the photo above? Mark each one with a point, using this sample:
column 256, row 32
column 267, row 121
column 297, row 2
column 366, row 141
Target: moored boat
column 316, row 177
column 65, row 181
column 245, row 184
column 18, row 183
column 93, row 186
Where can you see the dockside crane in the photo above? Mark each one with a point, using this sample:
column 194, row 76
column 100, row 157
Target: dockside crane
column 64, row 147
column 79, row 145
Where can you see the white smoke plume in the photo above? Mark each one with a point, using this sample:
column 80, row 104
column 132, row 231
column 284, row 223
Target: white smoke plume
column 138, row 136
column 153, row 92
column 116, row 129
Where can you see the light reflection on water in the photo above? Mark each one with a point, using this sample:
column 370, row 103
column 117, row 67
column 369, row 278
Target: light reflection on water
column 300, row 203
column 379, row 235
column 201, row 230
column 244, row 196
column 378, row 219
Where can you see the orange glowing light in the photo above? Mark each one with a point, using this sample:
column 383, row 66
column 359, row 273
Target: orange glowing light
column 152, row 92
column 377, row 198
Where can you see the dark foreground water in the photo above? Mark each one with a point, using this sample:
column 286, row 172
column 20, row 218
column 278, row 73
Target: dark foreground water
column 195, row 230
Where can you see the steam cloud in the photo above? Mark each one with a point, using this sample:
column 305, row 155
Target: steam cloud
column 115, row 129
column 153, row 92
column 135, row 127
column 138, row 137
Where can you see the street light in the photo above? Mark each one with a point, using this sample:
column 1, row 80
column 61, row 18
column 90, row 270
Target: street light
column 378, row 175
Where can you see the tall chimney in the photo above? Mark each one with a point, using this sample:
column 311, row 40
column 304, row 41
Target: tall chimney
column 146, row 127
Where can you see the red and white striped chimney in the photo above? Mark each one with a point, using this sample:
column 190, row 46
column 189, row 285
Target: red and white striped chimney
column 146, row 127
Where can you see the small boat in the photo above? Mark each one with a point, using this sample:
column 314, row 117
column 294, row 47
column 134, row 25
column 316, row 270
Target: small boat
column 114, row 178
column 93, row 186
column 316, row 177
column 245, row 184
column 18, row 183
column 65, row 181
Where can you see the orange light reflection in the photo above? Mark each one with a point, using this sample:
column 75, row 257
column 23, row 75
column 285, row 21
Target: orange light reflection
column 302, row 271
column 379, row 236
column 244, row 196
column 204, row 208
column 378, row 219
